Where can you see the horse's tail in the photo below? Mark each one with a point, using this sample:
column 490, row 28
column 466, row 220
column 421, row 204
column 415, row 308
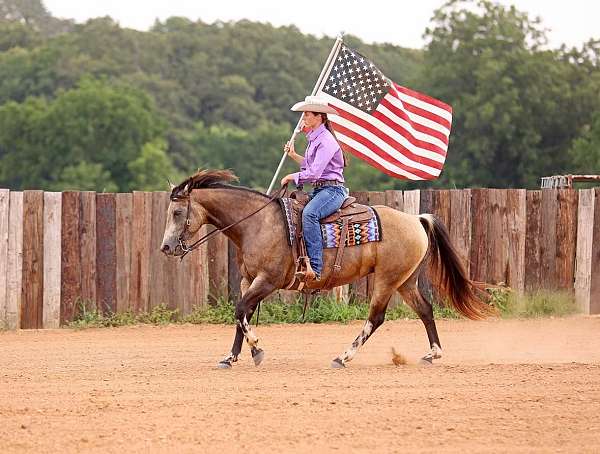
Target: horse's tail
column 449, row 274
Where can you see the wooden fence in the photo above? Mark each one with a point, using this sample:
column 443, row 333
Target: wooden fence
column 57, row 249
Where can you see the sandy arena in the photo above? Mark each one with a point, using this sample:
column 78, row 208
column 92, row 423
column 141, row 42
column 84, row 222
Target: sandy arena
column 502, row 386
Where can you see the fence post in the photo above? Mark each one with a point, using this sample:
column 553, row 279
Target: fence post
column 4, row 212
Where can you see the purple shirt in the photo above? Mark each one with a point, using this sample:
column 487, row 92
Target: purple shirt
column 323, row 159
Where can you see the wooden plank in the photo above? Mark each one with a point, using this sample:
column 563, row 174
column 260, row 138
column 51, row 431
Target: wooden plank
column 52, row 259
column 106, row 253
column 426, row 201
column 460, row 227
column 32, row 298
column 70, row 290
column 548, row 239
column 516, row 218
column 595, row 277
column 200, row 272
column 440, row 206
column 4, row 212
column 585, row 239
column 140, row 252
column 15, row 261
column 359, row 288
column 566, row 239
column 174, row 271
column 497, row 251
column 218, row 257
column 479, row 234
column 124, row 209
column 157, row 284
column 411, row 201
column 376, row 198
column 87, row 248
column 233, row 272
column 394, row 199
column 533, row 266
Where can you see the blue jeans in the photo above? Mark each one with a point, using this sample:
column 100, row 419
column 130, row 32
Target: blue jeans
column 324, row 201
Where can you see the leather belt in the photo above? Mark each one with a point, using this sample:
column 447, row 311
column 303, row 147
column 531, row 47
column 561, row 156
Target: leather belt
column 322, row 183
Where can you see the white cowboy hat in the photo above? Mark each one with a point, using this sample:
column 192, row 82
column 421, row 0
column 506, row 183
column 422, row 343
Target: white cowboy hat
column 313, row 104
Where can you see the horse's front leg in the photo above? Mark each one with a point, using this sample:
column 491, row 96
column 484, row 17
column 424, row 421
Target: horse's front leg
column 252, row 294
column 236, row 348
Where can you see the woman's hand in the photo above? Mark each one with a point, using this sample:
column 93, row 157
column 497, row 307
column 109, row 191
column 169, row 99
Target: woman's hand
column 287, row 179
column 289, row 149
column 291, row 152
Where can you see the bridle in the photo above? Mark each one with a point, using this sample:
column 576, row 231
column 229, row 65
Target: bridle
column 187, row 249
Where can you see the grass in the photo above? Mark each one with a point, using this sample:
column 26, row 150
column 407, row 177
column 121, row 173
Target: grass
column 322, row 310
column 89, row 317
column 538, row 304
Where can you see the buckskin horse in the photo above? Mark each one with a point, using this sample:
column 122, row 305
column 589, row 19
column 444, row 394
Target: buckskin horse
column 409, row 245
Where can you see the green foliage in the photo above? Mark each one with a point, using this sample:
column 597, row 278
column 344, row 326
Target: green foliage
column 96, row 106
column 84, row 176
column 89, row 317
column 152, row 168
column 512, row 99
column 585, row 151
column 96, row 127
column 538, row 304
column 322, row 310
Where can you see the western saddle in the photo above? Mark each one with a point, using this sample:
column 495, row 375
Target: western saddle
column 349, row 212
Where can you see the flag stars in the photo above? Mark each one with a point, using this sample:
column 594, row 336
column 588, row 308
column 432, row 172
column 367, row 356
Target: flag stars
column 354, row 80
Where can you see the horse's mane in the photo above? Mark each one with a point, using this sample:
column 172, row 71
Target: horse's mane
column 208, row 178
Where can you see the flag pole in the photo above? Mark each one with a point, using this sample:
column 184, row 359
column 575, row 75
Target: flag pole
column 328, row 62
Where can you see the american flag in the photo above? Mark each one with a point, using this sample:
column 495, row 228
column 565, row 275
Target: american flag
column 397, row 130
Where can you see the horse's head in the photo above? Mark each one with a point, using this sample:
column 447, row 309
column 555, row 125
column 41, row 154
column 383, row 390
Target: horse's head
column 185, row 216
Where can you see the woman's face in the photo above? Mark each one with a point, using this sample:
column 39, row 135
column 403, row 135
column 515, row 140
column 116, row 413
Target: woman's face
column 312, row 120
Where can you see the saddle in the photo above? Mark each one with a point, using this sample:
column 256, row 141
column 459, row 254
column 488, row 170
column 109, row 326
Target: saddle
column 349, row 212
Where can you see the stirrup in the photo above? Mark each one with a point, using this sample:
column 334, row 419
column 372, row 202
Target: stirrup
column 307, row 275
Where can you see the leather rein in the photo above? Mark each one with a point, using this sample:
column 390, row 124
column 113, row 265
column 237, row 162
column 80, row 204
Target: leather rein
column 187, row 249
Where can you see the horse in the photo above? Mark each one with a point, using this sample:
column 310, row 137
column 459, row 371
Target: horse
column 410, row 245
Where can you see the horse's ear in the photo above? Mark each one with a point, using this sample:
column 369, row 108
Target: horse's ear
column 187, row 188
column 171, row 185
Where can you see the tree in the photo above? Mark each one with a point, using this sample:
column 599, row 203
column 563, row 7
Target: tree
column 510, row 97
column 84, row 176
column 585, row 152
column 152, row 168
column 95, row 123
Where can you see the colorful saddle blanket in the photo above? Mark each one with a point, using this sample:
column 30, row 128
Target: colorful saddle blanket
column 358, row 232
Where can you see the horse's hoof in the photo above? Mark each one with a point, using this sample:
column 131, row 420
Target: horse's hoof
column 225, row 364
column 426, row 361
column 258, row 354
column 337, row 364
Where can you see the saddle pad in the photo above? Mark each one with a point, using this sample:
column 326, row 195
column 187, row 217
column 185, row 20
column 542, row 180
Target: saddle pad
column 358, row 232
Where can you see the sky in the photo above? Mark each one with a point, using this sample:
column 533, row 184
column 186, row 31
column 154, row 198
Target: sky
column 394, row 21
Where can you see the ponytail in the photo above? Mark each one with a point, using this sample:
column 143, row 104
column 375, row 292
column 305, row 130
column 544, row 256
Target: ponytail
column 329, row 127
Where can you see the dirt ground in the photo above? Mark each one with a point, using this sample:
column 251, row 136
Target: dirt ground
column 502, row 386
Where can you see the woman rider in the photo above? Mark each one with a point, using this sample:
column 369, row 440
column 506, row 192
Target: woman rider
column 322, row 166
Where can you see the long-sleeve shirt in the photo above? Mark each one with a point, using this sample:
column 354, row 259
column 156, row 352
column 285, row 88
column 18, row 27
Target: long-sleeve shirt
column 323, row 159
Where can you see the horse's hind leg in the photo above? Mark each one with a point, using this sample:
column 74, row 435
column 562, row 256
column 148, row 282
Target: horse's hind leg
column 413, row 297
column 379, row 303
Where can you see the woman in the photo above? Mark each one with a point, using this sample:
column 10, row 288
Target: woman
column 322, row 166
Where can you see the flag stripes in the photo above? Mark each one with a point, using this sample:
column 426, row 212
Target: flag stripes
column 398, row 130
